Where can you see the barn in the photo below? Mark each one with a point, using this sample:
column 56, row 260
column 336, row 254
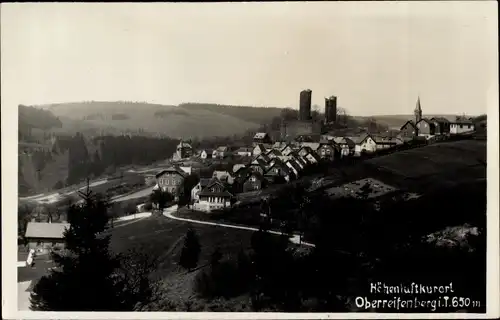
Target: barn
column 43, row 236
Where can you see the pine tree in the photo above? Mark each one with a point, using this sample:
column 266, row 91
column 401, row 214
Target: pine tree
column 190, row 251
column 84, row 279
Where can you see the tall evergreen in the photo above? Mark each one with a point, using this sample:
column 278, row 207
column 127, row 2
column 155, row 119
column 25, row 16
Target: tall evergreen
column 190, row 251
column 85, row 277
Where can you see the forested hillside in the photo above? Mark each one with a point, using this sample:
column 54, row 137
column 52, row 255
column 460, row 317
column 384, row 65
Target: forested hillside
column 74, row 158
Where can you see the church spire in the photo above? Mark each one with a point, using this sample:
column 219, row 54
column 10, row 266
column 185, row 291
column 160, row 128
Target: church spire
column 418, row 110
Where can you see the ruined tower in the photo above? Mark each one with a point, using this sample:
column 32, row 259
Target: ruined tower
column 305, row 105
column 331, row 109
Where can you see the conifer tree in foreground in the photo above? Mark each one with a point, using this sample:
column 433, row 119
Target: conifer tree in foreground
column 190, row 251
column 86, row 277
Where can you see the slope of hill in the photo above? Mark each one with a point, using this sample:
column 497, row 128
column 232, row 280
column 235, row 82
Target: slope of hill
column 440, row 165
column 185, row 121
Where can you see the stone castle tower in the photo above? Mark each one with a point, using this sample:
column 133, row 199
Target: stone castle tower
column 418, row 111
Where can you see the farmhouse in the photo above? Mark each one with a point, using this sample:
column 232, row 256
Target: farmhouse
column 409, row 130
column 43, row 236
column 261, row 138
column 346, row 145
column 278, row 170
column 258, row 165
column 171, row 180
column 441, row 125
column 364, row 144
column 328, row 150
column 384, row 142
column 183, row 150
column 214, row 196
column 426, row 128
column 254, row 181
column 221, row 152
column 461, row 126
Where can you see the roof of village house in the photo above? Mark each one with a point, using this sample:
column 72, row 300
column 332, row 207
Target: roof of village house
column 343, row 141
column 244, row 149
column 278, row 162
column 275, row 152
column 440, row 119
column 221, row 174
column 383, row 139
column 410, row 122
column 263, row 157
column 205, row 181
column 206, row 192
column 359, row 139
column 172, row 169
column 313, row 145
column 261, row 147
column 260, row 162
column 429, row 121
column 46, row 230
column 462, row 121
column 260, row 135
column 237, row 167
column 280, row 145
column 222, row 149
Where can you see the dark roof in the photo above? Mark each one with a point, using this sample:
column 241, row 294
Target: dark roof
column 440, row 119
column 275, row 152
column 204, row 182
column 207, row 193
column 462, row 122
column 264, row 157
column 282, row 166
column 408, row 122
column 46, row 230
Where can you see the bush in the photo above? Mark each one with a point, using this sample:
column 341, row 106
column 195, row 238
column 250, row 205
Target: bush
column 226, row 280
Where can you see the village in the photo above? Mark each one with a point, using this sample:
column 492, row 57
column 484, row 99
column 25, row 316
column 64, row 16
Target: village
column 305, row 147
column 307, row 144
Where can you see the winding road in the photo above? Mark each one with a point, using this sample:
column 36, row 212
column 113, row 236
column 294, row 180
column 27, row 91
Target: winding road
column 168, row 213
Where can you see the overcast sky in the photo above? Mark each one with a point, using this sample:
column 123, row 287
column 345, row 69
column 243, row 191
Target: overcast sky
column 377, row 57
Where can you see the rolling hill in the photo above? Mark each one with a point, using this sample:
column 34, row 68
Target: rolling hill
column 184, row 121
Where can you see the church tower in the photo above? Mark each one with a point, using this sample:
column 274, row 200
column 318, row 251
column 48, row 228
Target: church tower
column 418, row 111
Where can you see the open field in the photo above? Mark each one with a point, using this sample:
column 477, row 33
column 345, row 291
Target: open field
column 163, row 237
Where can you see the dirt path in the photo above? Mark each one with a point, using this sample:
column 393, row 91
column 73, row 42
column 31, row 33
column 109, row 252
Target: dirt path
column 169, row 214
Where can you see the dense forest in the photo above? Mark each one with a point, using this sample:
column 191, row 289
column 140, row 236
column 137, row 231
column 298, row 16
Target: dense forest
column 79, row 157
column 34, row 118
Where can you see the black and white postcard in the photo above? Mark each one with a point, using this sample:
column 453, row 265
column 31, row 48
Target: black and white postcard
column 250, row 160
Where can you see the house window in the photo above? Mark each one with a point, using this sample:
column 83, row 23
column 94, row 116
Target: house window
column 461, row 126
column 166, row 182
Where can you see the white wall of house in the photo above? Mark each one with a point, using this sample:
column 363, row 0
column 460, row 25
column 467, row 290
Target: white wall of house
column 212, row 203
column 203, row 154
column 289, row 165
column 456, row 128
